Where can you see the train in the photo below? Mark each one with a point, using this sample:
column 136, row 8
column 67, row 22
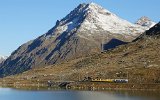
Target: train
column 110, row 80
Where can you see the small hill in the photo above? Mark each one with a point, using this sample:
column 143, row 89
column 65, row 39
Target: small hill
column 153, row 32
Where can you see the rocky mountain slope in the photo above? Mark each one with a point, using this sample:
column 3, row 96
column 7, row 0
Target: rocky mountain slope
column 145, row 22
column 79, row 34
column 139, row 61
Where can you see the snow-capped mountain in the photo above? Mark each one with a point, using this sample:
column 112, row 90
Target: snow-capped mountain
column 145, row 22
column 2, row 58
column 92, row 17
column 78, row 34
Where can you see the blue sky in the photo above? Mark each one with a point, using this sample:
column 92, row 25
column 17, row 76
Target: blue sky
column 24, row 20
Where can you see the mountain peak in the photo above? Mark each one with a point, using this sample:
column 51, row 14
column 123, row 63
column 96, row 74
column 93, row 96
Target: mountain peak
column 145, row 22
column 95, row 7
column 89, row 5
column 92, row 16
column 92, row 3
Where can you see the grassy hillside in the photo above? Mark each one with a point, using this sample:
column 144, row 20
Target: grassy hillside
column 138, row 61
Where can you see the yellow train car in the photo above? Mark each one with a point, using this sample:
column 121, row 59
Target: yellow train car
column 103, row 80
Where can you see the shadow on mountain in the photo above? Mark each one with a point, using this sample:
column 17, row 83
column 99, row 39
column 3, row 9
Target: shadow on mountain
column 113, row 43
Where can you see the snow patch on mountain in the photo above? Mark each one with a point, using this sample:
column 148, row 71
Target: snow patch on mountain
column 2, row 58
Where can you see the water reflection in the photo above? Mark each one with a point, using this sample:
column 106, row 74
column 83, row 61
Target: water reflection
column 12, row 94
column 120, row 95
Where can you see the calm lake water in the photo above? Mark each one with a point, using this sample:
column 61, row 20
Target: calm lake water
column 13, row 94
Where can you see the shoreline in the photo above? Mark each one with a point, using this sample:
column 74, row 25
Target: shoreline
column 113, row 86
column 91, row 86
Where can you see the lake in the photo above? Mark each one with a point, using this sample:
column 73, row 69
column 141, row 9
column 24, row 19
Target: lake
column 13, row 94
